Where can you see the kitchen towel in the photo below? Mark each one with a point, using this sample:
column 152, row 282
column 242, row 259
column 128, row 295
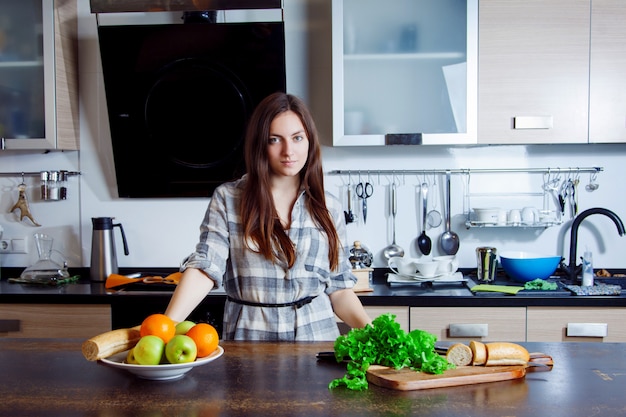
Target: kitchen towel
column 507, row 289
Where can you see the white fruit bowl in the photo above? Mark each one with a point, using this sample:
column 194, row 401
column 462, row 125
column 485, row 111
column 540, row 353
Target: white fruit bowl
column 166, row 371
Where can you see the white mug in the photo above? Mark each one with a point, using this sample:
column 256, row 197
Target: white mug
column 448, row 264
column 502, row 217
column 530, row 215
column 515, row 216
column 402, row 266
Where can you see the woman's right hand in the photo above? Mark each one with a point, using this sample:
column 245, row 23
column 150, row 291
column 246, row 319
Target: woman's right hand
column 193, row 286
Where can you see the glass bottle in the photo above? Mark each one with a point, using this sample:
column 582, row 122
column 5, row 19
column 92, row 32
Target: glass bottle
column 45, row 176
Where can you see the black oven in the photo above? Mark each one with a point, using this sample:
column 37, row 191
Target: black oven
column 179, row 97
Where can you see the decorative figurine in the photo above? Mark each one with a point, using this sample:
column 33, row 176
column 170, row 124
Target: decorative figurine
column 22, row 204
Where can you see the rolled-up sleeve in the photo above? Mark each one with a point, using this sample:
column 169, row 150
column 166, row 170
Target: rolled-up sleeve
column 212, row 250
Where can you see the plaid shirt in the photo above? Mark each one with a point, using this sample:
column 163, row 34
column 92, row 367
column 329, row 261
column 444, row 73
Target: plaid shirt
column 248, row 276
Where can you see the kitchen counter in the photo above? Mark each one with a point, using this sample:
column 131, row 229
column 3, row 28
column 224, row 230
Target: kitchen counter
column 383, row 294
column 129, row 307
column 51, row 377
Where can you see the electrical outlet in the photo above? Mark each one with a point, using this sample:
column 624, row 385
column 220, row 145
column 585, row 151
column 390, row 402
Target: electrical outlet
column 16, row 245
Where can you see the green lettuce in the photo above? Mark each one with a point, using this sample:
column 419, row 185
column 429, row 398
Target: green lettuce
column 385, row 343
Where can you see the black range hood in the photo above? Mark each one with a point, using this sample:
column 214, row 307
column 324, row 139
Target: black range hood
column 179, row 97
column 126, row 6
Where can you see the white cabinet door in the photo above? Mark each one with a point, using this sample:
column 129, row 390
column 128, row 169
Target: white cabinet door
column 607, row 95
column 533, row 73
column 404, row 72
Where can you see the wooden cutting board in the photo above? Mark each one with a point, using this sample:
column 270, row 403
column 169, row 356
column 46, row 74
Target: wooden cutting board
column 409, row 380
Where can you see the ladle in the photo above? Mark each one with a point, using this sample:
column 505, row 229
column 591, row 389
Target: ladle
column 423, row 241
column 393, row 250
column 449, row 240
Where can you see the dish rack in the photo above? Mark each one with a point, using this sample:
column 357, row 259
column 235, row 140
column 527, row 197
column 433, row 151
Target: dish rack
column 553, row 193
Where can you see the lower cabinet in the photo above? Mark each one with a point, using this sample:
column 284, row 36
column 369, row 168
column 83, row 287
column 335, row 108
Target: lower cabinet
column 401, row 313
column 567, row 324
column 471, row 323
column 54, row 320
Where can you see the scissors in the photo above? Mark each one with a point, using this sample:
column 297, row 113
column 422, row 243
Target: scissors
column 364, row 191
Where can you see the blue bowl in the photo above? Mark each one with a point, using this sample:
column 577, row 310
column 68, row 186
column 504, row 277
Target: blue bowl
column 527, row 266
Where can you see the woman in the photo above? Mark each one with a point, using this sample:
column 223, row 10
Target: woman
column 273, row 239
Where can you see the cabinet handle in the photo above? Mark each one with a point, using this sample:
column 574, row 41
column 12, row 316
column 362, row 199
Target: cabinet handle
column 532, row 122
column 469, row 330
column 7, row 325
column 588, row 329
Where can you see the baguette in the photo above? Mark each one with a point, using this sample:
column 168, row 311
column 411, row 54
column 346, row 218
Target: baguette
column 505, row 353
column 479, row 352
column 110, row 343
column 459, row 354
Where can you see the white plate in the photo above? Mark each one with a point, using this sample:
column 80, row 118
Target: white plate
column 166, row 371
column 404, row 279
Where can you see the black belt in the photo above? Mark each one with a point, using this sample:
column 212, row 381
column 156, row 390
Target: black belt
column 299, row 303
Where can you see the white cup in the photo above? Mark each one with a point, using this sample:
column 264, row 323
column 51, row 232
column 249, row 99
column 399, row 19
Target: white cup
column 530, row 215
column 427, row 269
column 448, row 264
column 502, row 217
column 402, row 266
column 515, row 216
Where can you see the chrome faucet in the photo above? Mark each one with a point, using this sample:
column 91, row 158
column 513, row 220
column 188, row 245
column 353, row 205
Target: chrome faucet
column 572, row 269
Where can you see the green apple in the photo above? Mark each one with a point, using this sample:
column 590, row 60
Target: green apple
column 181, row 349
column 184, row 326
column 130, row 357
column 149, row 350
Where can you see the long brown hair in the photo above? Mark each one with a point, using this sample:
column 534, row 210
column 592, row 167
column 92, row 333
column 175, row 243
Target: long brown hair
column 261, row 224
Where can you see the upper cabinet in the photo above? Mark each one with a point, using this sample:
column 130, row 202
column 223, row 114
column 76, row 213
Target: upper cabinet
column 607, row 102
column 533, row 79
column 404, row 72
column 38, row 75
column 552, row 71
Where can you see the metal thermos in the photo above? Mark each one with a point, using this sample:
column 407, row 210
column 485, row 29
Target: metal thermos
column 103, row 257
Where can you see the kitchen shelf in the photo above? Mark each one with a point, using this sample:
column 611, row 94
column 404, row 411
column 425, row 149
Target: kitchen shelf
column 519, row 225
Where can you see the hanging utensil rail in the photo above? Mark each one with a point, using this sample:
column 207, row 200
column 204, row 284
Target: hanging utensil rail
column 464, row 171
column 33, row 174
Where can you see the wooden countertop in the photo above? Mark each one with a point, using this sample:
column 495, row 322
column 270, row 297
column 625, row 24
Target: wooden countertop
column 50, row 377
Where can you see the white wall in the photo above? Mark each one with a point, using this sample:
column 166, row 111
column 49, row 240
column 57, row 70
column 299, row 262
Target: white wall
column 161, row 232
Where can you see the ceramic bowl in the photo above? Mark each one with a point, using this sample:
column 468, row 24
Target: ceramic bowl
column 162, row 372
column 487, row 215
column 527, row 266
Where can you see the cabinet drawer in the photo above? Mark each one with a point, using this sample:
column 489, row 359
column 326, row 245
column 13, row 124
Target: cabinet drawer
column 54, row 320
column 589, row 324
column 401, row 313
column 471, row 323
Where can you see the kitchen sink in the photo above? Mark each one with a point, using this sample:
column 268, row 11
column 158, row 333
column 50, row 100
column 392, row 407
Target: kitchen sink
column 621, row 281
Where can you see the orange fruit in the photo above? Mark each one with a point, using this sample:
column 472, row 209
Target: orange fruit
column 158, row 325
column 206, row 338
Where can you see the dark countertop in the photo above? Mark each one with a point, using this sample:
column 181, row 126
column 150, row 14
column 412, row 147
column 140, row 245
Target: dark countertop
column 131, row 305
column 50, row 377
column 435, row 295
